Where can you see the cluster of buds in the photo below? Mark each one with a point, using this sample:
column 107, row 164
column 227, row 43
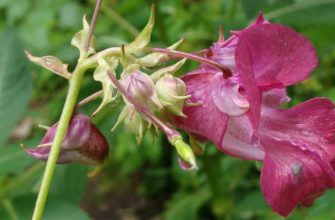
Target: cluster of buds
column 151, row 99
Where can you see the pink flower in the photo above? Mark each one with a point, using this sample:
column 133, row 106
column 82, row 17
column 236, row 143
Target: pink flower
column 242, row 114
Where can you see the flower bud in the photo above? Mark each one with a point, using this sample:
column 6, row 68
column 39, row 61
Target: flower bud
column 141, row 87
column 83, row 143
column 171, row 92
column 186, row 158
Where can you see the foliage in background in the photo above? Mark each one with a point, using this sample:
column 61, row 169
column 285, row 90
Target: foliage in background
column 142, row 181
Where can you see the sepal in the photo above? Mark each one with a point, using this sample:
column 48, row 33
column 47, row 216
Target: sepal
column 100, row 74
column 79, row 39
column 143, row 39
column 167, row 70
column 50, row 63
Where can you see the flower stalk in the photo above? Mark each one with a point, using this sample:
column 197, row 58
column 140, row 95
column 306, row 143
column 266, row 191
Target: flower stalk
column 67, row 112
column 70, row 103
column 174, row 53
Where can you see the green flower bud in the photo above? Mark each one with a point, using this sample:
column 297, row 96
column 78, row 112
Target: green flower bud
column 186, row 158
column 171, row 92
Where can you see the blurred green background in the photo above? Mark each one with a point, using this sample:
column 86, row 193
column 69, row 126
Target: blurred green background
column 137, row 182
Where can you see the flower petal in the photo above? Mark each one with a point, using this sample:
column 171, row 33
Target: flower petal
column 226, row 96
column 77, row 134
column 309, row 125
column 277, row 55
column 275, row 97
column 203, row 119
column 292, row 175
column 244, row 63
column 224, row 51
column 239, row 141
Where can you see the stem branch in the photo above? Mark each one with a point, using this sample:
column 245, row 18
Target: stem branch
column 64, row 121
column 92, row 25
column 67, row 112
column 90, row 98
column 174, row 53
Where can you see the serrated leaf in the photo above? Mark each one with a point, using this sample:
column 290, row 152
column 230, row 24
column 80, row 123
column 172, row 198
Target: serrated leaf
column 50, row 63
column 79, row 39
column 15, row 83
column 143, row 39
column 108, row 89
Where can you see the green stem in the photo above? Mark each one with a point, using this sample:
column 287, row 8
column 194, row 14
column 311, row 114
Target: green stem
column 6, row 203
column 67, row 112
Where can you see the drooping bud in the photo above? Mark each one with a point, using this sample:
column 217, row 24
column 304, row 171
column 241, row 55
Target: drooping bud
column 83, row 143
column 186, row 158
column 141, row 87
column 171, row 92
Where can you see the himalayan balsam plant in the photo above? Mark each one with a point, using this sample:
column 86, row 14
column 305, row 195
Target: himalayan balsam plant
column 233, row 99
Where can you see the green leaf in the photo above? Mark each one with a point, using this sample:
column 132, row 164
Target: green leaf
column 69, row 182
column 70, row 14
column 56, row 208
column 305, row 13
column 323, row 207
column 13, row 159
column 15, row 83
column 186, row 206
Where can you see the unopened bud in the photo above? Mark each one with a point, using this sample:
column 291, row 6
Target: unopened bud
column 171, row 92
column 186, row 156
column 141, row 87
column 83, row 143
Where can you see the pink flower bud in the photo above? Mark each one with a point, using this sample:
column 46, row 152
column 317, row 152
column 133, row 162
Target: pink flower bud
column 141, row 87
column 83, row 143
